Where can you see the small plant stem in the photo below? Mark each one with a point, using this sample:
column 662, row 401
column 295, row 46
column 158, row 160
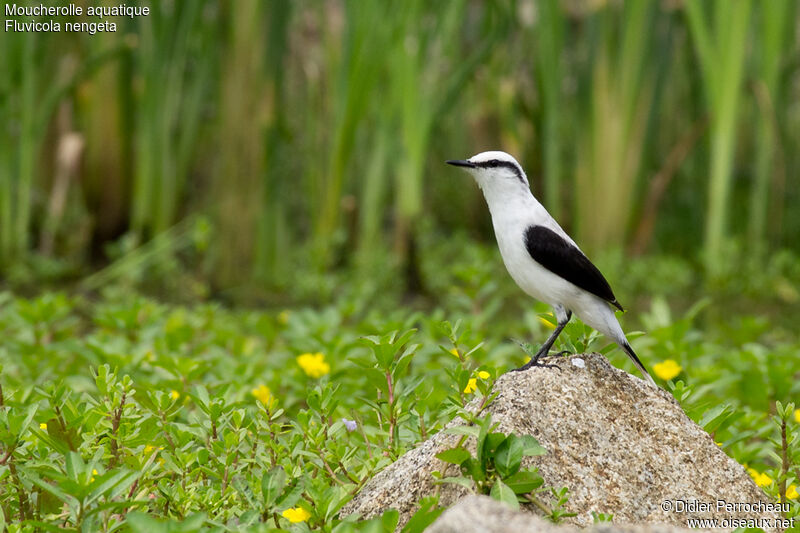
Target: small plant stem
column 324, row 461
column 23, row 499
column 272, row 453
column 169, row 440
column 538, row 503
column 784, row 461
column 328, row 467
column 361, row 483
column 5, row 458
column 483, row 404
column 346, row 473
column 63, row 424
column 133, row 489
column 114, row 430
column 225, row 480
column 392, row 418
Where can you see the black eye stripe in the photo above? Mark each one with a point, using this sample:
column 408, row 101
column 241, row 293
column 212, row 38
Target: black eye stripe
column 496, row 163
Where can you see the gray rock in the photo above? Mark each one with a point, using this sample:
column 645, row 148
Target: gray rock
column 481, row 514
column 620, row 445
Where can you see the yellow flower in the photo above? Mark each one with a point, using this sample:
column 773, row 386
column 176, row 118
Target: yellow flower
column 762, row 480
column 283, row 317
column 94, row 473
column 313, row 364
column 263, row 395
column 471, row 386
column 546, row 323
column 455, row 353
column 484, row 374
column 296, row 514
column 43, row 426
column 791, row 492
column 667, row 370
column 174, row 394
column 797, row 415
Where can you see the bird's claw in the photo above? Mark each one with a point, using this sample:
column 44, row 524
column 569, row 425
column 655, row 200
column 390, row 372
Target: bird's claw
column 535, row 363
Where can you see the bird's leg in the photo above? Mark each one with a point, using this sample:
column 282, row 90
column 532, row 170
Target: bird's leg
column 545, row 349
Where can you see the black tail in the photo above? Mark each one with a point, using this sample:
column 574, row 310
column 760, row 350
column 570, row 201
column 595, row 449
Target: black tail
column 627, row 347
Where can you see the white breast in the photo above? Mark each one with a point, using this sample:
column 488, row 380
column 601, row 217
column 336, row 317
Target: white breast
column 513, row 211
column 532, row 277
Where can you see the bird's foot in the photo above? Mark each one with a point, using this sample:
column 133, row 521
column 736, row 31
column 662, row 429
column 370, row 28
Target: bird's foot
column 562, row 353
column 534, row 362
column 543, row 352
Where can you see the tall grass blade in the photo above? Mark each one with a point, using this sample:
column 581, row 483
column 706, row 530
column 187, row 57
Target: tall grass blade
column 549, row 60
column 619, row 99
column 238, row 183
column 721, row 50
column 775, row 19
column 174, row 46
column 274, row 233
column 358, row 67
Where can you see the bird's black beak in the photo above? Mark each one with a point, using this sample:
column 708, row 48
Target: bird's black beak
column 460, row 163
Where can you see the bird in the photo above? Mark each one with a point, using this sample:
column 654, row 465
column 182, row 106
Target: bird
column 541, row 258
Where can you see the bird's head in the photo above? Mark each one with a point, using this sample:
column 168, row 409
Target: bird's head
column 495, row 170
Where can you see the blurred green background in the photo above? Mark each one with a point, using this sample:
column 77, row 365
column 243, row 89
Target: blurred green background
column 253, row 151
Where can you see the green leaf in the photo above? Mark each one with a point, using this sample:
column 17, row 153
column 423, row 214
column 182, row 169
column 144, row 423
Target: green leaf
column 425, row 515
column 492, row 443
column 455, row 456
column 17, row 425
column 290, row 497
column 473, row 468
column 389, row 520
column 470, row 431
column 524, row 481
column 483, row 432
column 715, row 417
column 117, row 504
column 508, row 458
column 54, row 490
column 458, row 480
column 272, row 484
column 531, row 446
column 45, row 526
column 502, row 493
column 112, row 484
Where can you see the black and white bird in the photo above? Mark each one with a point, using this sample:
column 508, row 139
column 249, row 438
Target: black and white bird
column 541, row 258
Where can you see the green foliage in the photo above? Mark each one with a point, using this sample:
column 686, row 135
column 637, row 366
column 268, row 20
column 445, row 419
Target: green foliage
column 123, row 412
column 497, row 461
column 206, row 417
column 598, row 518
column 496, row 467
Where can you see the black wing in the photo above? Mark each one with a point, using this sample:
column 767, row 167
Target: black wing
column 560, row 257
